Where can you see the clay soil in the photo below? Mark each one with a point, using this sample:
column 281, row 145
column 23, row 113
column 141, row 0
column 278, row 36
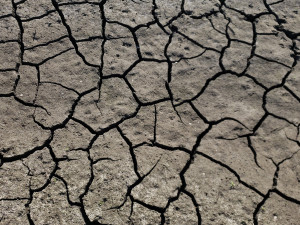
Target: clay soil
column 142, row 112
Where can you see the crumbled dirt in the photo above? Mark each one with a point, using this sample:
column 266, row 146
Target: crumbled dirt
column 150, row 112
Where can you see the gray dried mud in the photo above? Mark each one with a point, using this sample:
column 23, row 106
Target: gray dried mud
column 150, row 112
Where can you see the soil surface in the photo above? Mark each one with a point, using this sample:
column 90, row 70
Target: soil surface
column 150, row 112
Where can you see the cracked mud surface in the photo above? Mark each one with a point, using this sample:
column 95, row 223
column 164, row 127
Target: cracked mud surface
column 150, row 112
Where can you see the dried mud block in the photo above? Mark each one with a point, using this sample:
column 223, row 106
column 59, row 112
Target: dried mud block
column 72, row 136
column 152, row 41
column 249, row 7
column 189, row 76
column 13, row 212
column 267, row 73
column 289, row 177
column 281, row 103
column 272, row 139
column 103, row 148
column 227, row 130
column 230, row 96
column 221, row 199
column 28, row 83
column 143, row 215
column 115, row 104
column 148, row 79
column 131, row 13
column 140, row 128
column 9, row 55
column 236, row 56
column 277, row 48
column 199, row 8
column 178, row 130
column 167, row 9
column 164, row 180
column 113, row 174
column 201, row 30
column 39, row 54
column 91, row 50
column 6, row 7
column 239, row 28
column 218, row 21
column 9, row 29
column 50, row 206
column 84, row 21
column 43, row 30
column 14, row 181
column 119, row 55
column 181, row 48
column 76, row 171
column 235, row 153
column 69, row 70
column 18, row 132
column 290, row 13
column 109, row 216
column 266, row 24
column 40, row 165
column 31, row 8
column 182, row 211
column 114, row 30
column 57, row 101
column 277, row 211
column 119, row 50
column 7, row 83
column 293, row 80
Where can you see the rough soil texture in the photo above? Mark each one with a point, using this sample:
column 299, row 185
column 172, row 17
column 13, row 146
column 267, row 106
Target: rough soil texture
column 177, row 112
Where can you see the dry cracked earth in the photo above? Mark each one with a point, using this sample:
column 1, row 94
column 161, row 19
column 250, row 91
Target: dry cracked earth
column 150, row 112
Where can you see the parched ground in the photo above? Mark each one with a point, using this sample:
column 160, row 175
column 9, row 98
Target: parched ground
column 177, row 112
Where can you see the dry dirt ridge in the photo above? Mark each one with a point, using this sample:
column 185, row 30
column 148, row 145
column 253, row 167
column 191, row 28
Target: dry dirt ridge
column 150, row 112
